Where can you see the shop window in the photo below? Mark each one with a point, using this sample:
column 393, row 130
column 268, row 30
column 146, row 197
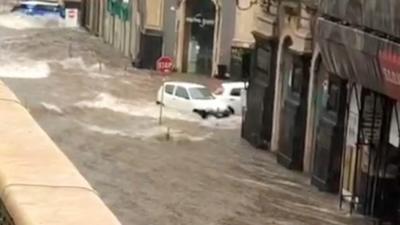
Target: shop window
column 287, row 72
column 263, row 59
column 333, row 97
column 236, row 92
column 296, row 76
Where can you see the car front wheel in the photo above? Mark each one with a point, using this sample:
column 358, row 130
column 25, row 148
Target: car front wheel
column 231, row 110
column 202, row 113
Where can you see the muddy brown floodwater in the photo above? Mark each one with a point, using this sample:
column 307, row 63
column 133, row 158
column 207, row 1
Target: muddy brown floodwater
column 105, row 120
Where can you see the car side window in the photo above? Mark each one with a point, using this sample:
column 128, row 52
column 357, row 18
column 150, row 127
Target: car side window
column 236, row 92
column 169, row 89
column 182, row 93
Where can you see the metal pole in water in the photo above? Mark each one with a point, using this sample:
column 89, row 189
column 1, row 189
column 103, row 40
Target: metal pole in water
column 161, row 102
column 69, row 50
column 168, row 135
column 70, row 47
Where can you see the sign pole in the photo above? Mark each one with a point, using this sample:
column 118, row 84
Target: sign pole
column 164, row 66
column 162, row 102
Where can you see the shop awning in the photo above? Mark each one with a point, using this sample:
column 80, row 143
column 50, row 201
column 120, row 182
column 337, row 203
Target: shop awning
column 379, row 15
column 353, row 54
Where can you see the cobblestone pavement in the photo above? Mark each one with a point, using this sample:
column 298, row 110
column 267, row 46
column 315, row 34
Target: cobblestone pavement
column 103, row 117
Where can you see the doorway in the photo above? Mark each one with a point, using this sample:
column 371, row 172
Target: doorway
column 295, row 72
column 200, row 17
column 258, row 117
column 330, row 123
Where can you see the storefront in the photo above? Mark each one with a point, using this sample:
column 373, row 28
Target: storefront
column 370, row 63
column 205, row 31
column 198, row 27
column 150, row 33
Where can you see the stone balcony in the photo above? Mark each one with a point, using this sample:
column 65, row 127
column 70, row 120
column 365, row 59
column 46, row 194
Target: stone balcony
column 266, row 20
column 295, row 15
column 268, row 12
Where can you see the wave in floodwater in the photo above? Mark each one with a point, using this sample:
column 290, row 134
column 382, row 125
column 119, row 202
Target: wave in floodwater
column 20, row 21
column 25, row 69
column 152, row 132
column 150, row 109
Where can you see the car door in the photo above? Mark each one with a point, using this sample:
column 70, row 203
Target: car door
column 234, row 100
column 168, row 94
column 181, row 99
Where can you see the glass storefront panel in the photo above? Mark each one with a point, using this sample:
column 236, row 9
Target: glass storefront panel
column 200, row 22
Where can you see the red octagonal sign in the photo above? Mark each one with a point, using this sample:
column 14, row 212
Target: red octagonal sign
column 165, row 64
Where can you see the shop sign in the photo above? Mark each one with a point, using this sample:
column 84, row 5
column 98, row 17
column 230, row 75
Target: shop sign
column 374, row 63
column 199, row 19
column 390, row 63
column 119, row 8
column 390, row 68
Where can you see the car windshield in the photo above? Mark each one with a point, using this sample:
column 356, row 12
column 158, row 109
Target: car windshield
column 200, row 93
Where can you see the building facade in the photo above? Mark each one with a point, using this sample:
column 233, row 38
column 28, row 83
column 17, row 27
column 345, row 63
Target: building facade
column 365, row 55
column 276, row 118
column 208, row 32
column 199, row 35
column 133, row 27
column 323, row 95
column 324, row 79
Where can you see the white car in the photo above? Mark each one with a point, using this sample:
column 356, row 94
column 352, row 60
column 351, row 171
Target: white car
column 234, row 95
column 190, row 97
column 41, row 8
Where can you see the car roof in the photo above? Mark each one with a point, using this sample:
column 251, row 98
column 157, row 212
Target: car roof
column 48, row 3
column 234, row 84
column 185, row 84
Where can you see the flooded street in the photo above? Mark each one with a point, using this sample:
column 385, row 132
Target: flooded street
column 102, row 113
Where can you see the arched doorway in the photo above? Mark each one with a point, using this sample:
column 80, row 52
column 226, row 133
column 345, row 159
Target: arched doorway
column 258, row 117
column 329, row 127
column 200, row 24
column 294, row 71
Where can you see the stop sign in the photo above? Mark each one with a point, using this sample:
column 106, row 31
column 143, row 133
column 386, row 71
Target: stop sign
column 165, row 64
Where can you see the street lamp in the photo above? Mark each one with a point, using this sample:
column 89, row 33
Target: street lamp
column 245, row 4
